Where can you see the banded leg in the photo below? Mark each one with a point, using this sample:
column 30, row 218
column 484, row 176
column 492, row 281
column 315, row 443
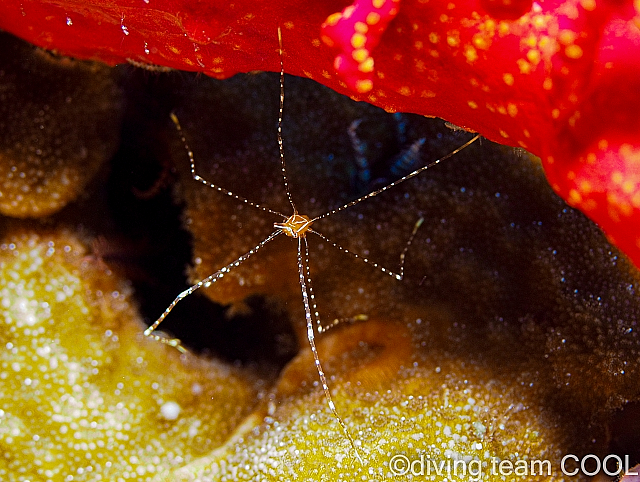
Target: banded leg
column 206, row 282
column 199, row 178
column 399, row 276
column 303, row 270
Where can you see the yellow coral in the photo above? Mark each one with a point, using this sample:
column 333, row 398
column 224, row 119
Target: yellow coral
column 433, row 416
column 82, row 396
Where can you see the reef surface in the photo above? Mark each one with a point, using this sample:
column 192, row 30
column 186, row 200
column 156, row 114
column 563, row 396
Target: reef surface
column 513, row 335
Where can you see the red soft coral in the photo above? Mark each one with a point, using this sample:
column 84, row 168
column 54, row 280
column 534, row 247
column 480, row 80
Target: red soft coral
column 355, row 32
column 560, row 78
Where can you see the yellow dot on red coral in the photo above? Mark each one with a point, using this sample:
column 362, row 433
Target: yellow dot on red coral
column 373, row 18
column 628, row 187
column 327, row 40
column 531, row 41
column 574, row 197
column 470, row 54
column 364, row 86
column 481, row 42
column 378, row 4
column 567, row 37
column 524, row 66
column 573, row 52
column 508, row 79
column 539, row 21
column 547, row 84
column 628, row 153
column 533, row 56
column 332, row 19
column 617, row 177
column 360, row 55
column 472, row 104
column 358, row 40
column 361, row 27
column 625, row 209
column 585, row 187
column 366, row 66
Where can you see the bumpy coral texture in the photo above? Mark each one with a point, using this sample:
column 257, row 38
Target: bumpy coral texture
column 43, row 164
column 414, row 410
column 537, row 277
column 558, row 78
column 83, row 398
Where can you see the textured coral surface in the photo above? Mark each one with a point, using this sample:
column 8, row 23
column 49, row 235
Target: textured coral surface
column 42, row 165
column 514, row 332
column 524, row 281
column 559, row 78
column 83, row 398
column 402, row 398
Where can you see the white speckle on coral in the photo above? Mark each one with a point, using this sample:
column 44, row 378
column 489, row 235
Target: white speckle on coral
column 196, row 389
column 193, row 428
column 170, row 410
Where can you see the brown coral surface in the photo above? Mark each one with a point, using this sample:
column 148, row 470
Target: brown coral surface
column 45, row 162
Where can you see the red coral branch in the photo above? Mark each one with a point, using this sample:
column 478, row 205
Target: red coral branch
column 559, row 78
